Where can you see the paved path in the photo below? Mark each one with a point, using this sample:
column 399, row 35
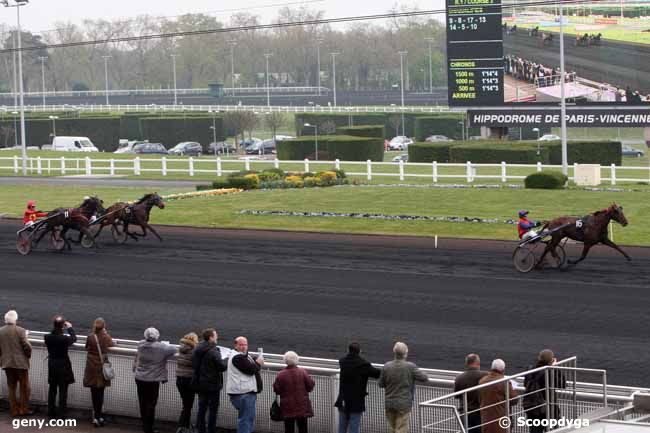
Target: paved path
column 99, row 181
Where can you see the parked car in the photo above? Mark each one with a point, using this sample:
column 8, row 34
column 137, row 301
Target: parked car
column 249, row 141
column 631, row 151
column 437, row 138
column 126, row 146
column 399, row 143
column 283, row 137
column 475, row 137
column 46, row 147
column 73, row 144
column 263, row 147
column 403, row 157
column 189, row 148
column 150, row 148
column 549, row 137
column 221, row 147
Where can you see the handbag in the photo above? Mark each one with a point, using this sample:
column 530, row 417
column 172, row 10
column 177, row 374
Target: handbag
column 107, row 368
column 276, row 412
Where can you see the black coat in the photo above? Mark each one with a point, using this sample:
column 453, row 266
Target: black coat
column 355, row 372
column 207, row 368
column 59, row 368
column 535, row 398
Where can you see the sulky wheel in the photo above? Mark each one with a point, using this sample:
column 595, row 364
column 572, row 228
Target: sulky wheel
column 87, row 241
column 523, row 259
column 24, row 243
column 556, row 263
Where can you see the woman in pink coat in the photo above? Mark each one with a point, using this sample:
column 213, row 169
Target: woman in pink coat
column 293, row 385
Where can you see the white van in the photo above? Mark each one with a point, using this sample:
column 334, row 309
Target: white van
column 73, row 144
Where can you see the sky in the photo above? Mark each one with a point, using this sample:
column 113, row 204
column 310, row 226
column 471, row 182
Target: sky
column 40, row 15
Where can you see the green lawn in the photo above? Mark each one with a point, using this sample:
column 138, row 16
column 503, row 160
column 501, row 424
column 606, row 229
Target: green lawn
column 224, row 211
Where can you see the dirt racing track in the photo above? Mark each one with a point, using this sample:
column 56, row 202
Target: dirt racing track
column 314, row 292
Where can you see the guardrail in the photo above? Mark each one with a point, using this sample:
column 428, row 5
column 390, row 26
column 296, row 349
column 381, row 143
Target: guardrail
column 168, row 166
column 198, row 91
column 121, row 398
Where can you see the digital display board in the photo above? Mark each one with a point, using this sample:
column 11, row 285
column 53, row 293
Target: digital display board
column 474, row 53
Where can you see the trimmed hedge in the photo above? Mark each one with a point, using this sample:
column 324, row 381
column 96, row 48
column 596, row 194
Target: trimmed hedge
column 439, row 125
column 429, row 152
column 496, row 152
column 363, row 131
column 588, row 152
column 338, row 119
column 172, row 130
column 345, row 148
column 547, row 179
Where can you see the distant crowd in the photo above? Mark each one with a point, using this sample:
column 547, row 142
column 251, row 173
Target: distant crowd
column 202, row 371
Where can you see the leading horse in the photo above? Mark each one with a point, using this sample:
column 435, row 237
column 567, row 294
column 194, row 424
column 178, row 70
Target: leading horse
column 123, row 214
column 590, row 230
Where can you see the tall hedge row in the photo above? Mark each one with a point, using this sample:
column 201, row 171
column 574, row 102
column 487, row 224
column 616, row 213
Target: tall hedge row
column 495, row 153
column 439, row 125
column 429, row 152
column 588, row 152
column 363, row 131
column 172, row 130
column 345, row 148
column 338, row 119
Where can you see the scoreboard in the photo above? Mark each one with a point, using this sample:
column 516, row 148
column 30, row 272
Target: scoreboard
column 474, row 53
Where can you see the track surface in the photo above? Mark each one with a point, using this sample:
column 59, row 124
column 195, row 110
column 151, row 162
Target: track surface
column 314, row 292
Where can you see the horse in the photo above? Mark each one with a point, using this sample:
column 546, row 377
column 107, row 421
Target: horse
column 547, row 39
column 591, row 230
column 122, row 213
column 73, row 218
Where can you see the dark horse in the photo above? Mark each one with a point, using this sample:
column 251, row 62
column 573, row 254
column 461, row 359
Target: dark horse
column 72, row 218
column 590, row 230
column 121, row 214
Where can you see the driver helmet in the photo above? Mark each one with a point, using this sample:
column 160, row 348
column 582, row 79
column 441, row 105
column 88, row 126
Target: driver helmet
column 523, row 213
column 31, row 204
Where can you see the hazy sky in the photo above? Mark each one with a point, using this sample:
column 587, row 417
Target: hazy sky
column 41, row 15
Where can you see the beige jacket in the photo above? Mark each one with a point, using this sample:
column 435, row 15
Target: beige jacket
column 15, row 349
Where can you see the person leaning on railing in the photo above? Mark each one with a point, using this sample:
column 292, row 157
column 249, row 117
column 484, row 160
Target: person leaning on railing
column 15, row 352
column 493, row 398
column 150, row 368
column 184, row 378
column 93, row 372
column 469, row 379
column 59, row 368
column 534, row 401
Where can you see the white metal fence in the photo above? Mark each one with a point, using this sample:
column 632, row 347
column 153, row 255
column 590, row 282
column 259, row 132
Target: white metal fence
column 169, row 167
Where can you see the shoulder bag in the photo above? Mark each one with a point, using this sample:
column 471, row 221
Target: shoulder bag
column 107, row 368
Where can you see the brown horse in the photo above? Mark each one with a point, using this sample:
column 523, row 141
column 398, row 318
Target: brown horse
column 590, row 230
column 120, row 215
column 73, row 219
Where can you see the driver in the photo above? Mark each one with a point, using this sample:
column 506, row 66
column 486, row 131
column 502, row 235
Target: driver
column 525, row 226
column 31, row 214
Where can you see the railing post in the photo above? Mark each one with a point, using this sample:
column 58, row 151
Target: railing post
column 191, row 162
column 112, row 167
column 468, row 172
column 605, row 388
column 548, row 406
column 337, row 164
column 276, row 163
column 219, row 167
column 434, row 166
column 49, row 165
column 613, row 174
column 507, row 384
column 539, row 166
column 247, row 164
column 306, row 165
column 136, row 166
column 39, row 166
column 401, row 170
column 89, row 168
column 504, row 174
column 31, row 165
column 15, row 164
column 369, row 169
column 575, row 168
column 62, row 166
column 465, row 409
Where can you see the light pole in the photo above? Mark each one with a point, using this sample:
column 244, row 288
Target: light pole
column 268, row 88
column 565, row 158
column 462, row 130
column 214, row 129
column 430, row 41
column 334, row 54
column 401, row 69
column 15, row 70
column 106, row 75
column 318, row 42
column 174, row 65
column 307, row 125
column 15, row 113
column 18, row 4
column 53, row 119
column 232, row 43
column 537, row 131
column 43, row 59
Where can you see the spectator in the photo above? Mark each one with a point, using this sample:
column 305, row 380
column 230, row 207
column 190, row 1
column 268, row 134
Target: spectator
column 293, row 384
column 535, row 383
column 184, row 379
column 493, row 398
column 15, row 352
column 353, row 381
column 59, row 367
column 207, row 379
column 93, row 373
column 468, row 379
column 398, row 377
column 150, row 368
column 244, row 383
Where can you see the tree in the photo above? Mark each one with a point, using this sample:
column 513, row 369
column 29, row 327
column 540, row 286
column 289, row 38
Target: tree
column 395, row 120
column 274, row 121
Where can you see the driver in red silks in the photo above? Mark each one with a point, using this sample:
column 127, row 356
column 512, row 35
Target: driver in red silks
column 31, row 214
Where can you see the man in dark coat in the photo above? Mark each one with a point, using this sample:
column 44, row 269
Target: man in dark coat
column 59, row 368
column 207, row 380
column 351, row 401
column 469, row 379
column 535, row 396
